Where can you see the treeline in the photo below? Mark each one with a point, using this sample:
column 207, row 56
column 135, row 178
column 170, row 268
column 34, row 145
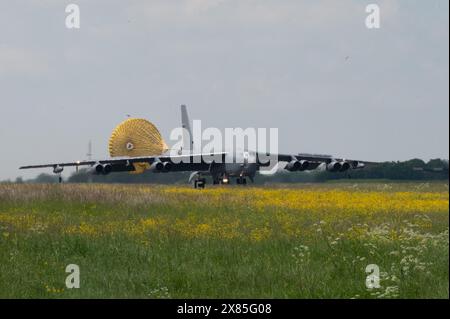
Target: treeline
column 414, row 169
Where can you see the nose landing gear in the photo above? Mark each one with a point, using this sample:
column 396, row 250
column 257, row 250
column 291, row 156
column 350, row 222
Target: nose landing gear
column 225, row 180
column 221, row 179
column 241, row 180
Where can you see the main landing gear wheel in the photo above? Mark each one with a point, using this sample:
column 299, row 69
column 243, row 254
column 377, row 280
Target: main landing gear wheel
column 241, row 181
column 200, row 183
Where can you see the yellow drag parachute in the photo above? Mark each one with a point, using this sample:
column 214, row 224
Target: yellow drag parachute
column 136, row 137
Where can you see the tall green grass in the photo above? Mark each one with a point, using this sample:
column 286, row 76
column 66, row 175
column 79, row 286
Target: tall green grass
column 41, row 232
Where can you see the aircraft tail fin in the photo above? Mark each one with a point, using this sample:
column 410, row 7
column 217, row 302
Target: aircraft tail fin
column 186, row 125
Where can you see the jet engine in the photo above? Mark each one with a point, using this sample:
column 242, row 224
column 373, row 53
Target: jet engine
column 305, row 165
column 356, row 165
column 157, row 167
column 58, row 169
column 102, row 169
column 334, row 166
column 167, row 166
column 344, row 166
column 98, row 169
column 293, row 165
column 107, row 168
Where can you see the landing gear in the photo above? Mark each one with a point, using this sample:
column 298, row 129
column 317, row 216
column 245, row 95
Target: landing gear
column 224, row 180
column 200, row 183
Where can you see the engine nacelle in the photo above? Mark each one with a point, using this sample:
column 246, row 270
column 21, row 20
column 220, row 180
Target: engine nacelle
column 157, row 167
column 57, row 169
column 100, row 169
column 305, row 165
column 167, row 166
column 334, row 166
column 107, row 168
column 357, row 165
column 293, row 166
column 344, row 166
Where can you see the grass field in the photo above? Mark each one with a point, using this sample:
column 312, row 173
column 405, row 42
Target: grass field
column 307, row 241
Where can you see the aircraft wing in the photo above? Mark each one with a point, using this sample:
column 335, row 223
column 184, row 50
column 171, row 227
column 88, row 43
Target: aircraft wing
column 314, row 160
column 188, row 162
column 78, row 163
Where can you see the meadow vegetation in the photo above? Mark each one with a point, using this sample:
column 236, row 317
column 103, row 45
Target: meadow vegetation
column 296, row 241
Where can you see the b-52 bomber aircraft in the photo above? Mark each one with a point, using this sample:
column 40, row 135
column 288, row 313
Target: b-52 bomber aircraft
column 226, row 165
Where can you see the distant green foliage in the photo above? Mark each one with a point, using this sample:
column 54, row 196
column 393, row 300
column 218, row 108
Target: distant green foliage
column 46, row 179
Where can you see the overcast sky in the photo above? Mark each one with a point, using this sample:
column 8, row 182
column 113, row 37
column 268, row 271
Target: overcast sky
column 310, row 68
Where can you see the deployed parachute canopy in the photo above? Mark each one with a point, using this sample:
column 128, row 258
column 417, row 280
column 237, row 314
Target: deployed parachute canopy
column 136, row 137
